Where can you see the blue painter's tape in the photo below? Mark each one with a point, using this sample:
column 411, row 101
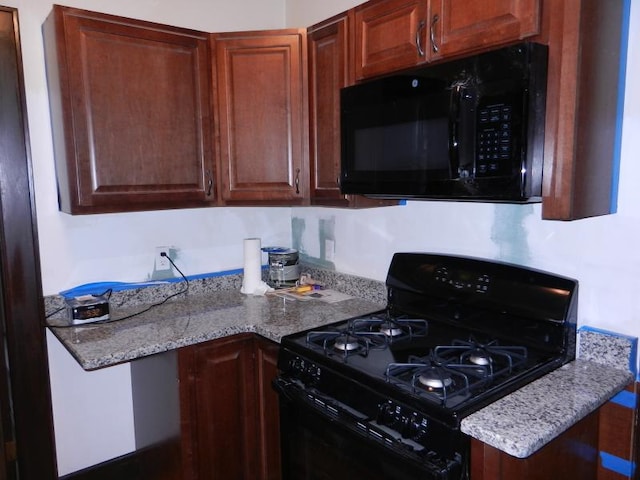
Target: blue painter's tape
column 625, row 399
column 99, row 288
column 617, row 464
column 622, row 75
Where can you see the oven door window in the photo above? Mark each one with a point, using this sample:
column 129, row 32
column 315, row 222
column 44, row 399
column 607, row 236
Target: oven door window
column 317, row 448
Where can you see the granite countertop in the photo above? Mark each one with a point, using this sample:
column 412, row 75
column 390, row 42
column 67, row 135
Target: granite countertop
column 518, row 424
column 196, row 318
column 523, row 422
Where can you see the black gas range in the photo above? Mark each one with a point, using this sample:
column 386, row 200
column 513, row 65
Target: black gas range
column 383, row 395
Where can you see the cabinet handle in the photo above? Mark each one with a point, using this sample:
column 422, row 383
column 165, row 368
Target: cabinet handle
column 297, row 181
column 421, row 26
column 209, row 182
column 432, row 34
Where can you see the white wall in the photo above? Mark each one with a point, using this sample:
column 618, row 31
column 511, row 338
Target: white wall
column 93, row 415
column 602, row 253
column 92, row 410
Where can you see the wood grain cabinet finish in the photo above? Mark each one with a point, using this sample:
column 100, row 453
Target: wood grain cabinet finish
column 583, row 106
column 262, row 116
column 460, row 26
column 130, row 104
column 230, row 423
column 330, row 69
column 397, row 34
column 389, row 36
column 330, row 58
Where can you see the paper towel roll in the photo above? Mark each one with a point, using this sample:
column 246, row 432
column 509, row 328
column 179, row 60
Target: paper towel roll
column 252, row 278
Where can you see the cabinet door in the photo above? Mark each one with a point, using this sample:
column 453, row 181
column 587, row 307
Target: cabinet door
column 459, row 26
column 389, row 35
column 261, row 86
column 217, row 409
column 268, row 409
column 130, row 103
column 330, row 69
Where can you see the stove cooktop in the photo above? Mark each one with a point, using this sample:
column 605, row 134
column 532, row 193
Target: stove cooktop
column 457, row 333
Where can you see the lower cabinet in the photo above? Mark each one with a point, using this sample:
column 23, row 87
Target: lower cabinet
column 229, row 413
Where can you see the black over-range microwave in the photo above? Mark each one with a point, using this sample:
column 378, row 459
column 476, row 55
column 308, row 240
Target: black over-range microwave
column 468, row 129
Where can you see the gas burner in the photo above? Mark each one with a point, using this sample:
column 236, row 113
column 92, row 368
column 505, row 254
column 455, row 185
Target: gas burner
column 390, row 329
column 497, row 359
column 395, row 328
column 442, row 382
column 435, row 378
column 346, row 343
column 479, row 357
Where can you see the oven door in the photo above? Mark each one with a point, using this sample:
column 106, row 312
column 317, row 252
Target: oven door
column 320, row 443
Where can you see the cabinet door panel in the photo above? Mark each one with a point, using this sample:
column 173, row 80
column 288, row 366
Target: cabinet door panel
column 134, row 101
column 389, row 36
column 269, row 413
column 460, row 25
column 261, row 91
column 329, row 62
column 219, row 421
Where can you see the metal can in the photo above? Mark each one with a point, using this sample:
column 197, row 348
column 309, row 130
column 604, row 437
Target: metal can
column 284, row 267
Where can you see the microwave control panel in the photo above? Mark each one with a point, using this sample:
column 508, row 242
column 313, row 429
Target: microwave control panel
column 494, row 141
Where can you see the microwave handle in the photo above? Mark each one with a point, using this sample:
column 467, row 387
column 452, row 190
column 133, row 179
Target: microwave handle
column 454, row 128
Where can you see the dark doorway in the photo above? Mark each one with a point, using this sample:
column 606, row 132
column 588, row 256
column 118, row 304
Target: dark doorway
column 27, row 451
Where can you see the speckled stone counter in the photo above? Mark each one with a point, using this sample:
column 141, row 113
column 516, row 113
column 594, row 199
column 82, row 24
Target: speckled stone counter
column 523, row 422
column 197, row 317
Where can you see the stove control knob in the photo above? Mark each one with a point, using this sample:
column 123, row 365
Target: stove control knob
column 296, row 364
column 417, row 427
column 313, row 373
column 386, row 413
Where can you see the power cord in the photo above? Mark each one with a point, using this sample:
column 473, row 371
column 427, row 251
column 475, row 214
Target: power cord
column 185, row 289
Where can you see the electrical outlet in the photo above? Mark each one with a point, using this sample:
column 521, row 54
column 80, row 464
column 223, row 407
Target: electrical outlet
column 162, row 261
column 330, row 250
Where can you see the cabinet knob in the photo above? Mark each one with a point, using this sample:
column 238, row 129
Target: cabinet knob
column 421, row 26
column 432, row 34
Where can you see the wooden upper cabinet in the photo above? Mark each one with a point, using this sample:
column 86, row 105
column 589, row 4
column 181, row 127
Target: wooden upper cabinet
column 330, row 57
column 584, row 106
column 460, row 26
column 330, row 69
column 389, row 35
column 262, row 116
column 130, row 105
column 398, row 34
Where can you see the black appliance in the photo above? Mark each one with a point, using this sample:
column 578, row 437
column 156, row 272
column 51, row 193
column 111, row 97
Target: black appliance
column 382, row 396
column 469, row 129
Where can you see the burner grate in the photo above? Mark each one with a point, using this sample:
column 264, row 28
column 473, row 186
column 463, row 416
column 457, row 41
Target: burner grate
column 345, row 343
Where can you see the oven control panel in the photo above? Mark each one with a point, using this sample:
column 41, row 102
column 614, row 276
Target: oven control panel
column 304, row 370
column 408, row 423
column 465, row 280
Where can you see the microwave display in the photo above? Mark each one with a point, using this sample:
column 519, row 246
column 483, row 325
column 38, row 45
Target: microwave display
column 471, row 129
